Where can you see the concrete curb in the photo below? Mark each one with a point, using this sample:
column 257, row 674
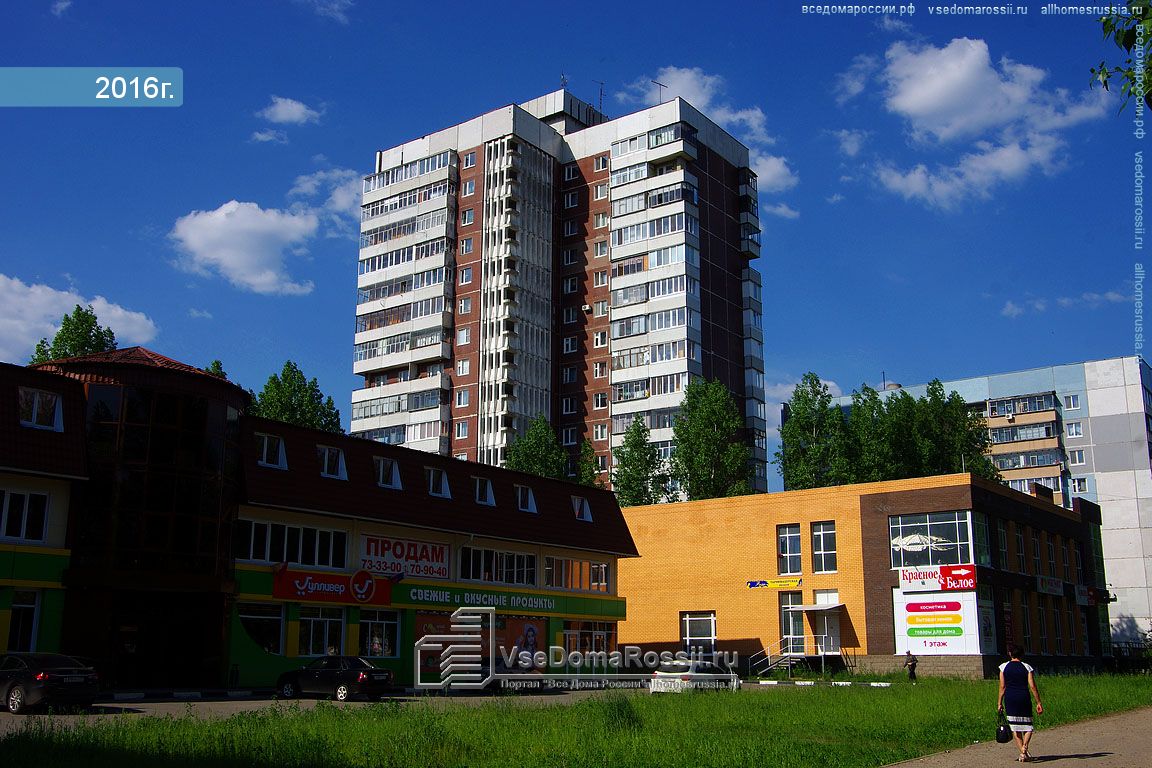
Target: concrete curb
column 833, row 683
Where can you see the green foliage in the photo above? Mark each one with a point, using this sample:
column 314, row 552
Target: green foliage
column 1131, row 31
column 538, row 452
column 587, row 473
column 640, row 476
column 292, row 398
column 880, row 438
column 216, row 368
column 711, row 459
column 80, row 334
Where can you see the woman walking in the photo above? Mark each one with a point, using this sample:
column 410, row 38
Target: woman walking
column 1017, row 681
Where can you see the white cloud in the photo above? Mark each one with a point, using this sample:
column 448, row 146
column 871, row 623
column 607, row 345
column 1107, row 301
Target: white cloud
column 773, row 173
column 836, row 198
column 333, row 195
column 851, row 142
column 781, row 209
column 283, row 110
column 60, row 7
column 895, row 26
column 1093, row 300
column 271, row 135
column 246, row 245
column 337, row 10
column 851, row 82
column 199, row 314
column 1012, row 309
column 29, row 313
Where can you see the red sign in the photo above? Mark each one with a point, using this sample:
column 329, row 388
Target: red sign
column 954, row 578
column 359, row 588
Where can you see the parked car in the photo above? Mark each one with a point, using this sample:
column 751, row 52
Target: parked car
column 29, row 680
column 340, row 677
column 681, row 676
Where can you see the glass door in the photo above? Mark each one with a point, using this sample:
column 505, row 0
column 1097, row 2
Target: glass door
column 791, row 625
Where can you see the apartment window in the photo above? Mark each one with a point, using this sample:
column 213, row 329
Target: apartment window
column 1042, row 620
column 570, row 314
column 568, row 374
column 331, row 462
column 947, row 531
column 1079, row 485
column 600, row 163
column 437, row 481
column 570, row 344
column 1076, row 457
column 581, row 509
column 264, row 623
column 465, row 275
column 1036, row 569
column 1021, row 557
column 461, row 430
column 465, row 247
column 387, row 472
column 271, row 451
column 468, row 188
column 567, row 405
column 379, row 633
column 983, row 542
column 23, row 515
column 571, row 171
column 467, row 216
column 601, row 248
column 277, row 543
column 1002, row 541
column 525, row 499
column 824, row 547
column 599, row 370
column 599, row 431
column 600, row 191
column 495, row 566
column 1071, row 402
column 463, row 367
column 321, row 632
column 600, row 278
column 1051, row 556
column 600, row 220
column 571, row 284
column 40, row 409
column 469, row 160
column 462, row 398
column 568, row 436
column 1064, row 563
column 463, row 336
column 788, row 549
column 1075, row 429
column 1026, row 620
column 600, row 339
column 571, row 228
column 569, row 256
column 484, row 492
column 698, row 633
column 571, row 199
column 466, row 305
column 600, row 400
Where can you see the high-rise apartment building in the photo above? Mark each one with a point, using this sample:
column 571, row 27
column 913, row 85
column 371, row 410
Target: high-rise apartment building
column 543, row 259
column 1083, row 429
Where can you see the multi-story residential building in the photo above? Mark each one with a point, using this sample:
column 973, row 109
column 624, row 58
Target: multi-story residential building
column 542, row 259
column 1082, row 429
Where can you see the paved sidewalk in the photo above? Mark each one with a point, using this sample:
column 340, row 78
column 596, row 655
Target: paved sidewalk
column 1114, row 741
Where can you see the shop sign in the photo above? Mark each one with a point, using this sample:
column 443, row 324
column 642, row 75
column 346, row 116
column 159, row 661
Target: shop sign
column 936, row 626
column 390, row 556
column 938, row 578
column 358, row 588
column 1047, row 585
column 503, row 601
column 1085, row 596
column 792, row 583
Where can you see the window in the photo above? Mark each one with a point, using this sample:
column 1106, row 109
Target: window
column 599, row 370
column 465, row 275
column 463, row 336
column 824, row 547
column 1026, row 620
column 600, row 339
column 321, row 631
column 23, row 515
column 1021, row 558
column 600, row 191
column 571, row 228
column 1036, row 569
column 600, row 220
column 493, row 565
column 698, row 633
column 465, row 306
column 788, row 549
column 525, row 500
column 581, row 509
column 570, row 344
column 936, row 538
column 601, row 248
column 468, row 188
column 461, row 398
column 1071, row 402
column 277, row 543
column 600, row 279
column 437, row 482
column 571, row 199
column 1002, row 541
column 1079, row 485
column 1075, row 429
column 1076, row 457
column 569, row 256
column 567, row 405
column 264, row 623
column 271, row 451
column 599, row 431
column 571, row 171
column 570, row 314
column 484, row 492
column 568, row 374
column 40, row 409
column 469, row 160
column 465, row 247
column 331, row 462
column 379, row 633
column 571, row 284
column 467, row 216
column 461, row 431
column 568, row 436
column 600, row 400
column 387, row 472
column 463, row 367
column 600, row 163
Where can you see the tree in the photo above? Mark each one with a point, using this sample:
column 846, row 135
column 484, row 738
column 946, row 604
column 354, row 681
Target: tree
column 292, row 398
column 711, row 458
column 538, row 452
column 868, row 439
column 80, row 334
column 813, row 446
column 216, row 368
column 587, row 472
column 1131, row 31
column 640, row 477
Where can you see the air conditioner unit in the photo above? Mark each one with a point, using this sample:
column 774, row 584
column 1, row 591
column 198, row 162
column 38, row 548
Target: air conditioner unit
column 1011, row 418
column 587, row 307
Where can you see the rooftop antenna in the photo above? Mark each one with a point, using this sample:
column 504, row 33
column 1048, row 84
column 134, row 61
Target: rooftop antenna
column 600, row 106
column 563, row 80
column 662, row 86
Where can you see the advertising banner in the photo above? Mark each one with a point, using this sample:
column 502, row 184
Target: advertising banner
column 391, row 556
column 785, row 583
column 941, row 623
column 938, row 578
column 360, row 588
column 1046, row 585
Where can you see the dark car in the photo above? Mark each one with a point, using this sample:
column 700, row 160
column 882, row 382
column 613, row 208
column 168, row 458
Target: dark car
column 29, row 680
column 340, row 677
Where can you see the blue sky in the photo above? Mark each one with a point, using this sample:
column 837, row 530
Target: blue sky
column 941, row 196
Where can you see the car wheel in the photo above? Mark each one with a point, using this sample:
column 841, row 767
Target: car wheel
column 15, row 700
column 341, row 693
column 289, row 691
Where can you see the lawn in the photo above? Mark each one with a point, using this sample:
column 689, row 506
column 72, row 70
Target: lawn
column 850, row 727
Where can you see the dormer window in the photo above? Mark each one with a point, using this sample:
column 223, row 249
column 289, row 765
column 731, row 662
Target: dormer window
column 525, row 500
column 271, row 451
column 40, row 410
column 437, row 482
column 581, row 508
column 484, row 492
column 331, row 462
column 387, row 473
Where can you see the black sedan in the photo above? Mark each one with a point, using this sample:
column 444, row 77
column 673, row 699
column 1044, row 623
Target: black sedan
column 29, row 680
column 340, row 677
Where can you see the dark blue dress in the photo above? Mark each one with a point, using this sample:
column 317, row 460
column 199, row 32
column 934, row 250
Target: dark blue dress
column 1017, row 697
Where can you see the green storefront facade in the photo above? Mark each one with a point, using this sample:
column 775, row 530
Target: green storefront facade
column 31, row 597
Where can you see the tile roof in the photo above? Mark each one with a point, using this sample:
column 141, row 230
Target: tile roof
column 127, row 356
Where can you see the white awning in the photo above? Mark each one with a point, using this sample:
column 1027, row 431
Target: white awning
column 814, row 608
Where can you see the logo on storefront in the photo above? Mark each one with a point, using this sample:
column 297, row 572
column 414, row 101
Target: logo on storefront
column 363, row 586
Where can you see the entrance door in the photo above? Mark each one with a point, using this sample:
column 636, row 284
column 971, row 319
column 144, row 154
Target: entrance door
column 828, row 622
column 791, row 625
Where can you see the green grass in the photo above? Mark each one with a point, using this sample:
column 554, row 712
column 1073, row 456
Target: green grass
column 783, row 726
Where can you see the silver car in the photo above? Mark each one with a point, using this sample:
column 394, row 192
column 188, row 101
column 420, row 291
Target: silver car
column 681, row 676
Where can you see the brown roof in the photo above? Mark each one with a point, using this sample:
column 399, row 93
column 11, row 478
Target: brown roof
column 41, row 451
column 301, row 487
column 127, row 356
